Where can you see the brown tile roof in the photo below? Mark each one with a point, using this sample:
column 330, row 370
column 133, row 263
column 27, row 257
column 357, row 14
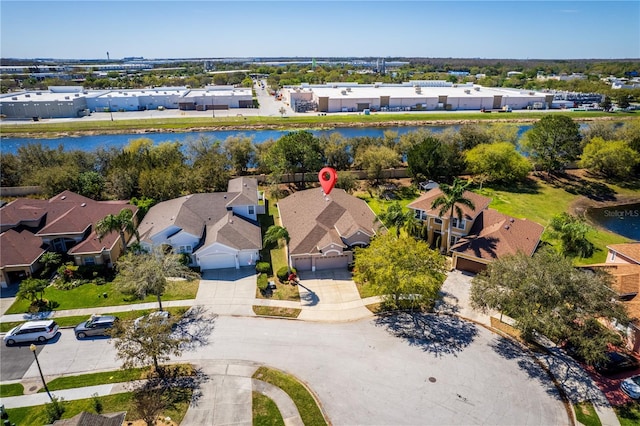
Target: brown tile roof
column 66, row 213
column 425, row 201
column 626, row 276
column 630, row 250
column 494, row 235
column 89, row 419
column 20, row 247
column 315, row 221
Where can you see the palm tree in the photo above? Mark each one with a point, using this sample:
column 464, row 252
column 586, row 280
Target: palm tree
column 395, row 217
column 122, row 222
column 452, row 196
column 275, row 234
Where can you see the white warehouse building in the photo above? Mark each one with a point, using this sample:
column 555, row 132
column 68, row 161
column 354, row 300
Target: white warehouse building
column 74, row 101
column 414, row 95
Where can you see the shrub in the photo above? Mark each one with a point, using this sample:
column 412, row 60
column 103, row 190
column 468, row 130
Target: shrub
column 263, row 267
column 283, row 273
column 263, row 282
column 54, row 410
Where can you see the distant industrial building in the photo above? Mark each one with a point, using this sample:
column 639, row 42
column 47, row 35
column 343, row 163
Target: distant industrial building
column 423, row 95
column 75, row 101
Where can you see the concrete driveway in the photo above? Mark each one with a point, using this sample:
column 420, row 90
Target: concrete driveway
column 330, row 294
column 228, row 291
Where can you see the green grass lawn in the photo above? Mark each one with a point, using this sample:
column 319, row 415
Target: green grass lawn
column 92, row 295
column 629, row 414
column 11, row 389
column 586, row 414
column 307, row 407
column 92, row 379
column 274, row 311
column 265, row 411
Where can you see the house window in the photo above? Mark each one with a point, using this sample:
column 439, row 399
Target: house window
column 184, row 249
column 417, row 215
column 251, row 210
column 438, row 220
column 460, row 224
column 89, row 261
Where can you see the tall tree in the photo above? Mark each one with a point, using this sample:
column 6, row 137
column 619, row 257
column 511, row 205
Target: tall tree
column 545, row 294
column 276, row 235
column 614, row 159
column 150, row 341
column 146, row 273
column 553, row 142
column 499, row 162
column 572, row 232
column 375, row 159
column 435, row 159
column 449, row 202
column 395, row 217
column 296, row 152
column 240, row 151
column 404, row 270
column 122, row 223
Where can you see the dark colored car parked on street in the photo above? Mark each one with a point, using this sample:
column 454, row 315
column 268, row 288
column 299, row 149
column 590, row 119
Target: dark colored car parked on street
column 95, row 326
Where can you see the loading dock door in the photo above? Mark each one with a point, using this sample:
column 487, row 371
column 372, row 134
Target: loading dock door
column 497, row 102
column 384, row 101
column 362, row 106
column 323, row 104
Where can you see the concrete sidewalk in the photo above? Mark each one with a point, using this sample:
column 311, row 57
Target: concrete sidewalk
column 225, row 396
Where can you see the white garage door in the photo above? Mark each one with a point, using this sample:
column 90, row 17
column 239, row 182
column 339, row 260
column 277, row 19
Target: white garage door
column 217, row 261
column 332, row 262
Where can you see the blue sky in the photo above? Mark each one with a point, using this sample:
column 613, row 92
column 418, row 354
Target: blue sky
column 86, row 29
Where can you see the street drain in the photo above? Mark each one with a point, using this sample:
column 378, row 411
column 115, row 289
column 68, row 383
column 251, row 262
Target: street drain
column 32, row 388
column 432, row 379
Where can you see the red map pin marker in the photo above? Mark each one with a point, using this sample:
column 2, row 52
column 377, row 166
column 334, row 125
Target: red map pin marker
column 328, row 178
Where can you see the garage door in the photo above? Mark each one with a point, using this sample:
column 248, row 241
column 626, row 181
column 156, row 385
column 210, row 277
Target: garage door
column 332, row 262
column 302, row 263
column 470, row 265
column 217, row 261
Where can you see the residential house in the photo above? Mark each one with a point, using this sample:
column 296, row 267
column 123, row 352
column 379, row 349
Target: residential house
column 215, row 230
column 64, row 224
column 481, row 236
column 323, row 230
column 626, row 283
column 494, row 235
column 89, row 419
column 624, row 253
column 437, row 226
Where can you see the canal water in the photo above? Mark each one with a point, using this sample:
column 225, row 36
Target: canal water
column 623, row 219
column 91, row 143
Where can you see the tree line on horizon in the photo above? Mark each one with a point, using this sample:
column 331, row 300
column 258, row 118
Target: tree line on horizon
column 491, row 153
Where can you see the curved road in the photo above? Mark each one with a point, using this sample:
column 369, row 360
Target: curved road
column 395, row 370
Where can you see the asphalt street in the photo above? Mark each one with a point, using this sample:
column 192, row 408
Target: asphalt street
column 433, row 369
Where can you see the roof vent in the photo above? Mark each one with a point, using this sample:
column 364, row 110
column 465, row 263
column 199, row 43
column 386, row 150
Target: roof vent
column 63, row 197
column 26, row 96
column 66, row 97
column 506, row 227
column 512, row 220
column 83, row 205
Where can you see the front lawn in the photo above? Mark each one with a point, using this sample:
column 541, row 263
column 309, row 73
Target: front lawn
column 586, row 414
column 265, row 411
column 11, row 389
column 305, row 402
column 91, row 296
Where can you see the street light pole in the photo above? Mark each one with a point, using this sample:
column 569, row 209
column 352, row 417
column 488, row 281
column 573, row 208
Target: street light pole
column 110, row 112
column 35, row 354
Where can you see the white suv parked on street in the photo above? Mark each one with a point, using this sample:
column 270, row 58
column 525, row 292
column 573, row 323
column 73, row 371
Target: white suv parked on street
column 32, row 331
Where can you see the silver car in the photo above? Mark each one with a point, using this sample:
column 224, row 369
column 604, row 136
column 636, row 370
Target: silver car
column 32, row 331
column 631, row 386
column 97, row 325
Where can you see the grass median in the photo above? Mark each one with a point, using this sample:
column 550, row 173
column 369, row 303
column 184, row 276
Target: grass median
column 11, row 389
column 305, row 402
